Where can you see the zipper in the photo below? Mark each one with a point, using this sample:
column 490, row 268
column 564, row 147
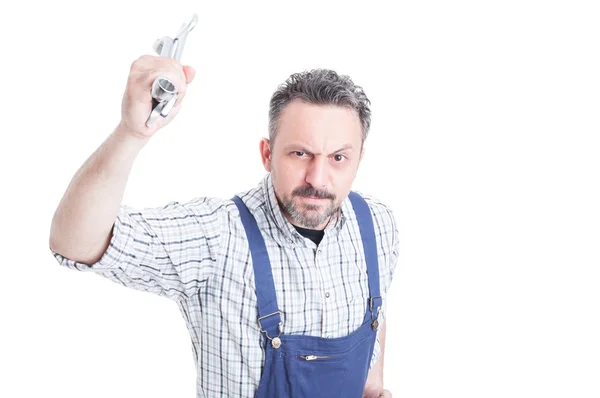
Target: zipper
column 313, row 357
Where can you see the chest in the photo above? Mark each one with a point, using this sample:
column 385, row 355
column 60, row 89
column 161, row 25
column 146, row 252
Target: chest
column 321, row 292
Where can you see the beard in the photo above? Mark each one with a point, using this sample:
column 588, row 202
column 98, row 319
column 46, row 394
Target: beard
column 310, row 215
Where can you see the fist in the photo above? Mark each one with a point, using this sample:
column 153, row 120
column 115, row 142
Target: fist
column 137, row 99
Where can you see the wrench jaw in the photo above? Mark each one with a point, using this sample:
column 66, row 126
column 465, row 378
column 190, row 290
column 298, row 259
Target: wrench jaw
column 182, row 35
column 164, row 94
column 168, row 47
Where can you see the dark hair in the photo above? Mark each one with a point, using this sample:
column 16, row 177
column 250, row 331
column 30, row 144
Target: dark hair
column 320, row 87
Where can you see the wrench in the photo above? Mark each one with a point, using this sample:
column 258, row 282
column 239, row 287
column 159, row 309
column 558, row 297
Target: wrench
column 164, row 94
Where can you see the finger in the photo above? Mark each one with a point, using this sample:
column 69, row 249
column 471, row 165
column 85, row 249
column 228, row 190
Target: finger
column 171, row 69
column 143, row 75
column 163, row 121
column 386, row 394
column 190, row 73
column 173, row 113
column 176, row 74
column 179, row 99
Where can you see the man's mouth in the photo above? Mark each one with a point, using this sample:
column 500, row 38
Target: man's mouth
column 312, row 198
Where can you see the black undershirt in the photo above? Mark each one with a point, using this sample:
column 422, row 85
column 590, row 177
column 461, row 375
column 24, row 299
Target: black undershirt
column 313, row 234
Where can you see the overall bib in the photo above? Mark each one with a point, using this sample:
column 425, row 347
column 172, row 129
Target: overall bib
column 307, row 366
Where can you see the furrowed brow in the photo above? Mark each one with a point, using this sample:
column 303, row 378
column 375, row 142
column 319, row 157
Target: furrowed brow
column 347, row 146
column 297, row 147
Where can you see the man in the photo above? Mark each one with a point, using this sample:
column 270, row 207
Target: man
column 282, row 287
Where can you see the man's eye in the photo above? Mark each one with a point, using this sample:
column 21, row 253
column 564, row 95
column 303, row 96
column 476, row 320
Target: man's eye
column 339, row 158
column 299, row 153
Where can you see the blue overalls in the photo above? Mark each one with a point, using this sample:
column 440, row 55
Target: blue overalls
column 307, row 366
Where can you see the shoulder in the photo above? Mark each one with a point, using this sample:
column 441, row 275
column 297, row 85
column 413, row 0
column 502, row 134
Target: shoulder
column 386, row 232
column 381, row 211
column 203, row 212
column 384, row 224
column 201, row 209
column 198, row 206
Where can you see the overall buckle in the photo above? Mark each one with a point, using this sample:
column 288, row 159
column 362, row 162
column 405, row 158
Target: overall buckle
column 275, row 341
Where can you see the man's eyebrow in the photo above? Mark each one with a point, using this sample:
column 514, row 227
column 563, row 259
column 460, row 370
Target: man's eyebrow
column 301, row 147
column 297, row 147
column 347, row 146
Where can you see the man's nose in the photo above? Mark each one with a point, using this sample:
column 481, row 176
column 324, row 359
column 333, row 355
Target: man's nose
column 317, row 173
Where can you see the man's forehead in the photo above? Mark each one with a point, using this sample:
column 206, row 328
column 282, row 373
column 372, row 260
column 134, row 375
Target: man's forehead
column 319, row 125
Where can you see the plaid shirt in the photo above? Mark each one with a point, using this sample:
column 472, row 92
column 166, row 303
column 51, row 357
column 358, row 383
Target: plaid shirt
column 197, row 254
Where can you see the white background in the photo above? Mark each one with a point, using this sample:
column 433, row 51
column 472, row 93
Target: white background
column 485, row 142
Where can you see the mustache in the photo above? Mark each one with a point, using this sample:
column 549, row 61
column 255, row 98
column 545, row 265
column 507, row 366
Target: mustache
column 307, row 190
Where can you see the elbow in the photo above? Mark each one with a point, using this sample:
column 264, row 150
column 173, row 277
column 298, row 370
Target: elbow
column 68, row 247
column 54, row 243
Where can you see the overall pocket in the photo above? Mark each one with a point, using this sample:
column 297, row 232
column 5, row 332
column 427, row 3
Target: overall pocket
column 320, row 373
column 312, row 375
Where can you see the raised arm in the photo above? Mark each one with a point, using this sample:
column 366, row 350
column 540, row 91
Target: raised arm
column 83, row 221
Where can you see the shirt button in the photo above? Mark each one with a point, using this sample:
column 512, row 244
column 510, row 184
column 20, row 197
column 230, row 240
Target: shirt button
column 327, row 295
column 319, row 251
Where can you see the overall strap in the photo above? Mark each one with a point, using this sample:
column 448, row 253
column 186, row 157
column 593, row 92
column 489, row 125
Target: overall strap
column 269, row 317
column 367, row 233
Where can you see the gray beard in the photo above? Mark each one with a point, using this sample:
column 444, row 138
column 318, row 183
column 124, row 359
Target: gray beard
column 308, row 216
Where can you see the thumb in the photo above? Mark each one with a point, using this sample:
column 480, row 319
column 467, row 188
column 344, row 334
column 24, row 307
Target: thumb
column 190, row 73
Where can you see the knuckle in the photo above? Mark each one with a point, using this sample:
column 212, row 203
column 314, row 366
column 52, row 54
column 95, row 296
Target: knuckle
column 145, row 69
column 138, row 79
column 139, row 62
column 134, row 65
column 147, row 58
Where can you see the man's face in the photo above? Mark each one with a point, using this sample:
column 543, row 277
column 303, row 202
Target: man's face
column 313, row 161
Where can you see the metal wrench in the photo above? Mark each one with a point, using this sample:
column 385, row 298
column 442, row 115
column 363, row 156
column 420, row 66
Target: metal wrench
column 164, row 95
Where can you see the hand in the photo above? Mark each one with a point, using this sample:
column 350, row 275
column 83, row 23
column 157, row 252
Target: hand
column 137, row 99
column 381, row 394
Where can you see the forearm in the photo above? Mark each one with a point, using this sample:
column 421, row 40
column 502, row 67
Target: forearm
column 82, row 224
column 374, row 385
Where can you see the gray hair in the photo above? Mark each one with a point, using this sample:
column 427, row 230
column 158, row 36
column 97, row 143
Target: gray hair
column 320, row 87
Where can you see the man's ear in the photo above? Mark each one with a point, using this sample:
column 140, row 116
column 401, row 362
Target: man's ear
column 265, row 153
